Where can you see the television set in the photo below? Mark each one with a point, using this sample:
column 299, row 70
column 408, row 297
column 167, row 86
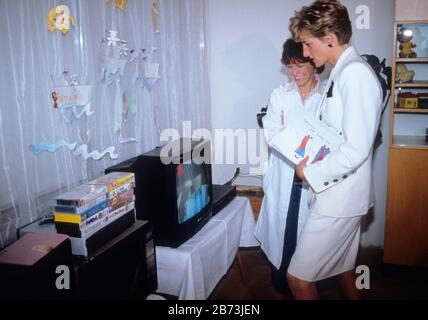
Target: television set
column 173, row 188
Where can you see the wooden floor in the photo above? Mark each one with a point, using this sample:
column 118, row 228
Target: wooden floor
column 386, row 282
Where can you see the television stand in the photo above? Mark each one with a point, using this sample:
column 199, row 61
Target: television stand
column 191, row 271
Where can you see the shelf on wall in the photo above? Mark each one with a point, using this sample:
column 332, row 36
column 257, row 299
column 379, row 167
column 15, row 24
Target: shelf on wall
column 409, row 142
column 412, row 60
column 404, row 110
column 413, row 84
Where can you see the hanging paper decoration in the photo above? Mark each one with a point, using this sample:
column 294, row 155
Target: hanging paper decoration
column 155, row 15
column 59, row 18
column 68, row 99
column 148, row 72
column 130, row 103
column 121, row 115
column 114, row 57
column 96, row 155
column 120, row 4
column 50, row 147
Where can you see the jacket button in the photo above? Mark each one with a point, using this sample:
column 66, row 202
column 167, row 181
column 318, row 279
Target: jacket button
column 345, row 176
column 326, row 184
column 335, row 180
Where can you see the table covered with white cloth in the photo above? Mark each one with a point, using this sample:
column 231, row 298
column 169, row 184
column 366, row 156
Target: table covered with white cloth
column 192, row 270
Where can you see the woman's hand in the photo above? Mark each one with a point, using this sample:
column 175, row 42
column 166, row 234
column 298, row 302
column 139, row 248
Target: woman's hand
column 299, row 168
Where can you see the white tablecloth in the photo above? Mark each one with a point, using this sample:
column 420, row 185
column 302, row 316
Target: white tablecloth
column 192, row 270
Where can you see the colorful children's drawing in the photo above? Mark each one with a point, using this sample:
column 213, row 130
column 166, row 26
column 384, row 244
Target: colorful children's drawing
column 321, row 154
column 301, row 149
column 68, row 100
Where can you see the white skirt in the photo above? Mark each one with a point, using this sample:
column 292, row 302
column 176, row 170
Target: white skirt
column 327, row 246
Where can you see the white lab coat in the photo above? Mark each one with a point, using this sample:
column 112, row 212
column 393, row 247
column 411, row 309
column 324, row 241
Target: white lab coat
column 278, row 178
column 341, row 184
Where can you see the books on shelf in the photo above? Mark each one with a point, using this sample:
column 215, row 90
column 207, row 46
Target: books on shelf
column 305, row 136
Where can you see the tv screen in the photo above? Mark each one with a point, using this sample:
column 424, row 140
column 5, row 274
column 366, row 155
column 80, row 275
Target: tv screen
column 192, row 190
column 176, row 196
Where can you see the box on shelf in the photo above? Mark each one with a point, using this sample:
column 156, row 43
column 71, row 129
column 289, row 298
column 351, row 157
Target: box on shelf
column 423, row 100
column 407, row 100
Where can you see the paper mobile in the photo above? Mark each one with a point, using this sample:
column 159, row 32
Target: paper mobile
column 148, row 72
column 59, row 18
column 114, row 57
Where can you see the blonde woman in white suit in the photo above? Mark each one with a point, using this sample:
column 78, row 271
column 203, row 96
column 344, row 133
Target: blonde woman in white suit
column 341, row 184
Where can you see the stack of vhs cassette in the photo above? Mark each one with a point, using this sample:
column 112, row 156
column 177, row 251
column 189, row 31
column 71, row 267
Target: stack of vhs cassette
column 94, row 213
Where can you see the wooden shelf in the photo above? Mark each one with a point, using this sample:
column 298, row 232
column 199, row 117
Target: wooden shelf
column 409, row 142
column 412, row 60
column 413, row 84
column 402, row 110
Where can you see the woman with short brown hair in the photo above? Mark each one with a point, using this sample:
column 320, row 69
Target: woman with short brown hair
column 341, row 184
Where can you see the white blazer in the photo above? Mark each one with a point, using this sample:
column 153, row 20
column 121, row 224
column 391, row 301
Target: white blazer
column 342, row 182
column 278, row 178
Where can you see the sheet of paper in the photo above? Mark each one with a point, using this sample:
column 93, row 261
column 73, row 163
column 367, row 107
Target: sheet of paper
column 305, row 135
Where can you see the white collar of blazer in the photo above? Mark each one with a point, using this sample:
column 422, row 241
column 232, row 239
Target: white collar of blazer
column 348, row 56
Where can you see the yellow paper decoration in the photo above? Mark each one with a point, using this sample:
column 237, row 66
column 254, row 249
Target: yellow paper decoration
column 155, row 13
column 59, row 18
column 118, row 3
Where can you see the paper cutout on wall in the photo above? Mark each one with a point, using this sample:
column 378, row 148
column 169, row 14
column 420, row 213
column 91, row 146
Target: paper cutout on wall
column 69, row 99
column 121, row 111
column 148, row 72
column 82, row 150
column 51, row 147
column 59, row 18
column 130, row 103
column 155, row 17
column 114, row 57
column 120, row 4
column 121, row 139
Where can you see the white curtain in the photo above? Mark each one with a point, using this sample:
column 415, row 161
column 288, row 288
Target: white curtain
column 31, row 57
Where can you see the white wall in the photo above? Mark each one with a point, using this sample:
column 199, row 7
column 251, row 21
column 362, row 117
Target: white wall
column 245, row 40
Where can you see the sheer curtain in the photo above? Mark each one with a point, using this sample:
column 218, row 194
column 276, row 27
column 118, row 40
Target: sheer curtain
column 33, row 57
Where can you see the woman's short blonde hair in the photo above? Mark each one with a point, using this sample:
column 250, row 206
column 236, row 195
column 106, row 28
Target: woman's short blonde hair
column 320, row 18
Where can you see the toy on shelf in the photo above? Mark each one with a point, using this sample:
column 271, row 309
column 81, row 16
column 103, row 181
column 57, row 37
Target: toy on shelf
column 403, row 74
column 405, row 37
